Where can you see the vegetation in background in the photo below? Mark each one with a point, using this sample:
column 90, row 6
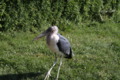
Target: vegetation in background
column 32, row 14
column 91, row 26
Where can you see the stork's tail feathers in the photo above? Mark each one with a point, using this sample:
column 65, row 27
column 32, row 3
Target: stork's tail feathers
column 70, row 55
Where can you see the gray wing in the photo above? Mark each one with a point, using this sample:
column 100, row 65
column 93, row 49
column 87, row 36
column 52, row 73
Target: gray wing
column 64, row 46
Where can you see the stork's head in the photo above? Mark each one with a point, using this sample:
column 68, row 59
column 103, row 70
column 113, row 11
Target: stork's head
column 49, row 31
column 52, row 30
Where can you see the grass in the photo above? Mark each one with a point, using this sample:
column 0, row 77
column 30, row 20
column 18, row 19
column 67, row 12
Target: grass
column 96, row 48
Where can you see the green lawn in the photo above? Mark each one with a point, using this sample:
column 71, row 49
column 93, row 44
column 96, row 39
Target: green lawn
column 96, row 48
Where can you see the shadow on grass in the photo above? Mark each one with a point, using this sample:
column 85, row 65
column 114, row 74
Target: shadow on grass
column 19, row 76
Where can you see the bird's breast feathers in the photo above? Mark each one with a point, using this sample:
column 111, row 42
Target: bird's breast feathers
column 53, row 40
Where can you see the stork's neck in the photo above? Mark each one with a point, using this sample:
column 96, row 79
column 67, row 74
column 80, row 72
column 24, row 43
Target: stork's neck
column 54, row 33
column 51, row 34
column 52, row 38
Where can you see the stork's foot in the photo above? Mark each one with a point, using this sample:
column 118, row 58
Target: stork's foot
column 48, row 75
column 56, row 79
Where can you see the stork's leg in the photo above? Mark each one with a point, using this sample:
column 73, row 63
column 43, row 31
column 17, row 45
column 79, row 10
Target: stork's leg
column 48, row 73
column 59, row 68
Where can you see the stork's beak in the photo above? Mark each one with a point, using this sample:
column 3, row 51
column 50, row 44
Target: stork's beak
column 41, row 35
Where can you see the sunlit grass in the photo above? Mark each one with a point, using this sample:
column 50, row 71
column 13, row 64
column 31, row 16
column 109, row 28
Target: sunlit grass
column 96, row 49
